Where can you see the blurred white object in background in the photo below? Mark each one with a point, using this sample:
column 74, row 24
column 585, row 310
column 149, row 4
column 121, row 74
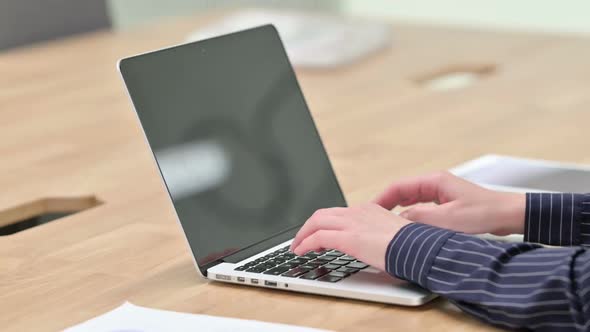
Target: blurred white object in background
column 311, row 40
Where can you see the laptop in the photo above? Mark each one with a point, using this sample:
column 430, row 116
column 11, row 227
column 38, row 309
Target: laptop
column 245, row 167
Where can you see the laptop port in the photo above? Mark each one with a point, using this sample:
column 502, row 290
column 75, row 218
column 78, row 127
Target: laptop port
column 270, row 283
column 241, row 279
column 222, row 277
column 254, row 281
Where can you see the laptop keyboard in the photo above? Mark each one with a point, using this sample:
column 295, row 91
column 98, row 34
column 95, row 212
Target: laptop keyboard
column 326, row 265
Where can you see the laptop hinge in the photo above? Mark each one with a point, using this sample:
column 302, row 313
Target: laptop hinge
column 209, row 265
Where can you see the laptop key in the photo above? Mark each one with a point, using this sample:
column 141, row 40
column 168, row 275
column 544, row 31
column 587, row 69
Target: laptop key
column 240, row 268
column 326, row 258
column 277, row 270
column 290, row 265
column 338, row 274
column 296, row 272
column 347, row 258
column 331, row 266
column 335, row 253
column 299, row 260
column 316, row 263
column 339, row 262
column 266, row 265
column 347, row 269
column 357, row 265
column 329, row 278
column 257, row 269
column 314, row 274
column 308, row 266
column 311, row 255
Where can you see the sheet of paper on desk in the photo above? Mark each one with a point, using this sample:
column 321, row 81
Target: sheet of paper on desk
column 131, row 318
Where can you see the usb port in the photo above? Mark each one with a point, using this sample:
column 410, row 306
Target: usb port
column 222, row 277
column 270, row 283
column 254, row 281
column 241, row 279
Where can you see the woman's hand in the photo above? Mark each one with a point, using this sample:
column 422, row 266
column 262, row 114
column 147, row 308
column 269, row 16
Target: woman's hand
column 361, row 231
column 460, row 205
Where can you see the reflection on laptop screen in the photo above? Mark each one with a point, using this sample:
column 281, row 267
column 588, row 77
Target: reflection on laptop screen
column 234, row 139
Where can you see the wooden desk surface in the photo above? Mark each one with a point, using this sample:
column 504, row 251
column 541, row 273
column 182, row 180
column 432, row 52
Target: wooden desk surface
column 67, row 129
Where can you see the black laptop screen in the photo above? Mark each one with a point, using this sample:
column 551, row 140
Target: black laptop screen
column 233, row 138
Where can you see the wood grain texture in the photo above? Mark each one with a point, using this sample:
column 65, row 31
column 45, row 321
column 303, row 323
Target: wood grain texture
column 67, row 129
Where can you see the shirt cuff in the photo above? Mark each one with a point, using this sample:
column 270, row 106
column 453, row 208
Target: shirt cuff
column 411, row 252
column 558, row 219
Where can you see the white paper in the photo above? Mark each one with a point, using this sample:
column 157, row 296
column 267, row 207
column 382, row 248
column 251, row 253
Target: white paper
column 131, row 318
column 521, row 174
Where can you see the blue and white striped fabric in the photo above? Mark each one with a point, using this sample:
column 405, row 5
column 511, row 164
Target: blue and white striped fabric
column 510, row 285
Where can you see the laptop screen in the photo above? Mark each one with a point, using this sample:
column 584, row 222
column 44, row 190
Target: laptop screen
column 234, row 140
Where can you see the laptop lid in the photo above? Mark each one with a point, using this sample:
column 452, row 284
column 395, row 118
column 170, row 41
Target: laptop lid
column 234, row 141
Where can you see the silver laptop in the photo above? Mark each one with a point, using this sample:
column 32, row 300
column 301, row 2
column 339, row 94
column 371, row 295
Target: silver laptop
column 245, row 167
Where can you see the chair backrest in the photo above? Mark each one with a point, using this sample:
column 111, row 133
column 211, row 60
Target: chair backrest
column 28, row 21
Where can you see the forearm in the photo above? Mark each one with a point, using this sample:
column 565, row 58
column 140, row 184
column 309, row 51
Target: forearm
column 516, row 285
column 561, row 219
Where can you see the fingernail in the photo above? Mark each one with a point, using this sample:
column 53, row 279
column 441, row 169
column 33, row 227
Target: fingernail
column 404, row 214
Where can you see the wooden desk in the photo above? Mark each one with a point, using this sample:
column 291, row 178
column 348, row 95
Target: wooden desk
column 67, row 129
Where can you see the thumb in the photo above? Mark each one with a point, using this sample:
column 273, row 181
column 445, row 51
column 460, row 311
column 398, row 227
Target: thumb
column 428, row 214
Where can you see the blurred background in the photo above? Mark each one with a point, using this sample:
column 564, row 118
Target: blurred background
column 545, row 15
column 52, row 19
column 428, row 64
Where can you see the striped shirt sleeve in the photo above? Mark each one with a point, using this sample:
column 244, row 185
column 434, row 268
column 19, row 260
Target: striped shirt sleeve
column 561, row 219
column 510, row 285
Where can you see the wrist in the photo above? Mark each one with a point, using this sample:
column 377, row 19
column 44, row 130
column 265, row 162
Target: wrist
column 511, row 208
column 401, row 254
